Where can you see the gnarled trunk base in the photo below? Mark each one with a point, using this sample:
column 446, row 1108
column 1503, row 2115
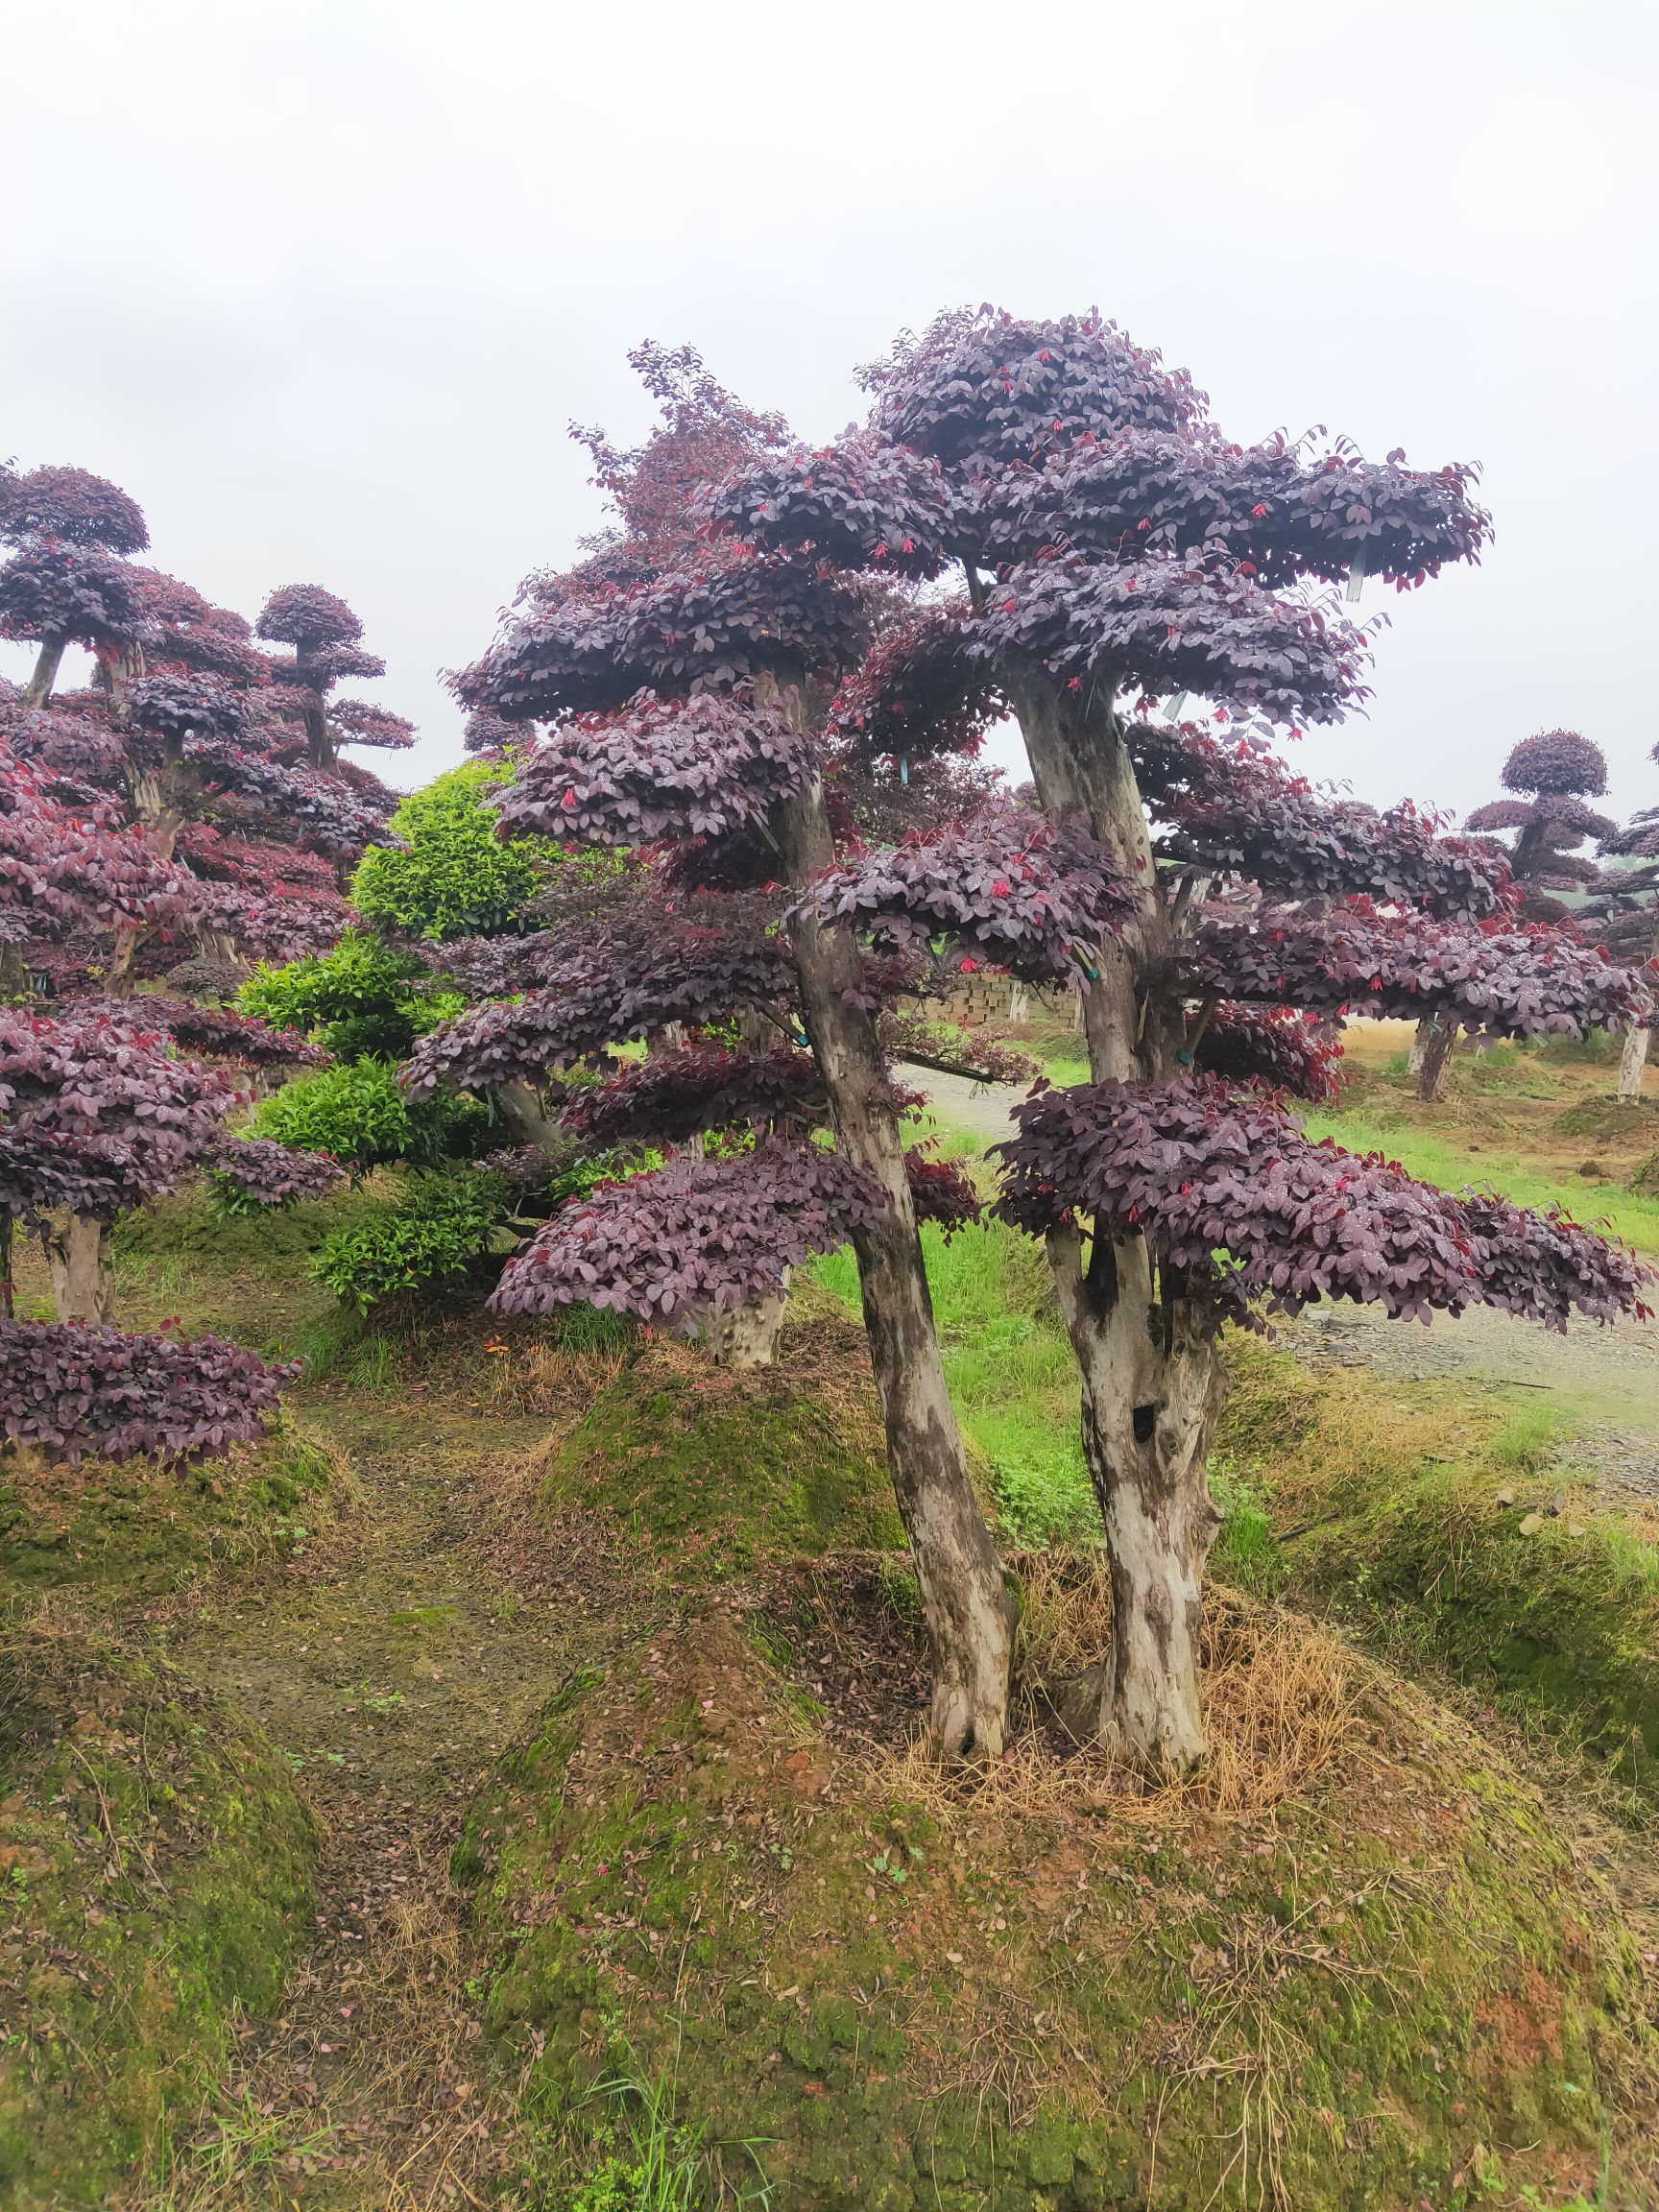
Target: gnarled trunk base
column 83, row 1278
column 1151, row 1392
column 964, row 1602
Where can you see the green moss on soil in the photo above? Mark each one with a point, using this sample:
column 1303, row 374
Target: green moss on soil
column 153, row 1867
column 892, row 1995
column 1405, row 1515
column 723, row 1467
column 135, row 1530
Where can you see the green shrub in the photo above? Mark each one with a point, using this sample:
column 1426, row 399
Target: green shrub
column 452, row 877
column 358, row 1112
column 444, row 1225
column 361, row 1000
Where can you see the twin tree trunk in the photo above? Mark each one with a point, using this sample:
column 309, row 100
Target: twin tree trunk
column 1151, row 1379
column 964, row 1600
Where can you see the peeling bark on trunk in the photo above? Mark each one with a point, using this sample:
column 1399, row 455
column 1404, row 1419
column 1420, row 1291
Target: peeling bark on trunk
column 47, row 663
column 964, row 1599
column 83, row 1278
column 1151, row 1392
column 746, row 1335
column 1152, row 1383
column 1631, row 1063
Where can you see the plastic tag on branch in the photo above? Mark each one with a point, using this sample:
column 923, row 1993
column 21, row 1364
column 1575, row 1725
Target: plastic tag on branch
column 1355, row 575
column 1175, row 706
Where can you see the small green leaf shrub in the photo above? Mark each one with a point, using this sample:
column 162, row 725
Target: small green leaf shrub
column 451, row 875
column 357, row 1112
column 363, row 1000
column 444, row 1223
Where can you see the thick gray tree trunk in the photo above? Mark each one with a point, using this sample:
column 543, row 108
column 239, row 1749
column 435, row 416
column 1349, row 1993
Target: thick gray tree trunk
column 964, row 1600
column 83, row 1278
column 47, row 663
column 1632, row 1061
column 1151, row 1381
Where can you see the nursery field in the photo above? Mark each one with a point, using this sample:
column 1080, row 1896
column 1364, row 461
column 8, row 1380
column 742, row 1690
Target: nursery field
column 501, row 1785
column 638, row 1573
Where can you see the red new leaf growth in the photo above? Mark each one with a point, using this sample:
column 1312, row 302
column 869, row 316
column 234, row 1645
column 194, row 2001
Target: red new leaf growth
column 918, row 690
column 61, row 870
column 69, row 1391
column 672, row 1096
column 73, row 507
column 705, row 434
column 591, row 1002
column 981, row 386
column 1508, row 981
column 858, row 504
column 693, row 1239
column 1233, row 808
column 1006, row 887
column 1239, row 1206
column 697, row 767
column 1174, row 624
column 1287, row 514
column 360, row 722
column 265, row 1174
column 941, row 1193
column 1272, row 1044
column 710, row 622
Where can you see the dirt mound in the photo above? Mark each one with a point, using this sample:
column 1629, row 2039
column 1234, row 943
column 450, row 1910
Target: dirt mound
column 719, row 1467
column 1337, row 1971
column 154, row 1869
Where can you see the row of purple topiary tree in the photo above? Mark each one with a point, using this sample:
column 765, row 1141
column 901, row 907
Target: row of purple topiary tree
column 187, row 813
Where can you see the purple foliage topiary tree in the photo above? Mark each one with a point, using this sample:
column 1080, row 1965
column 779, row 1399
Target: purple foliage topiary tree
column 1118, row 549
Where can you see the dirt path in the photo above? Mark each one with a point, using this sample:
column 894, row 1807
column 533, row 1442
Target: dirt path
column 393, row 1675
column 1604, row 1382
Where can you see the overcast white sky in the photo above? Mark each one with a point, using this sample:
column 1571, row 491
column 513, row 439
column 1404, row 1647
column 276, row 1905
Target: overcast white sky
column 322, row 281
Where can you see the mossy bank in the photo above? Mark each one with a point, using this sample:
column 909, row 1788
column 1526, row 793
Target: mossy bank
column 155, row 1864
column 1361, row 1974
